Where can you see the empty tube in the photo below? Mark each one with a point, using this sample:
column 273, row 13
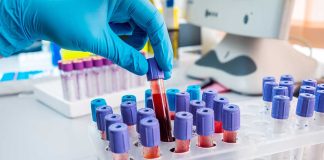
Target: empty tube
column 89, row 76
column 69, row 82
column 80, row 79
column 108, row 76
column 99, row 75
column 205, row 127
column 150, row 137
column 119, row 141
column 183, row 131
column 231, row 122
column 219, row 104
column 101, row 112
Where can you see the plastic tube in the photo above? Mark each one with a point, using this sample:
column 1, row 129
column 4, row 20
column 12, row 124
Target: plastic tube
column 150, row 137
column 99, row 75
column 307, row 89
column 80, row 79
column 95, row 103
column 208, row 97
column 290, row 86
column 267, row 95
column 171, row 93
column 205, row 127
column 286, row 77
column 183, row 131
column 231, row 122
column 194, row 106
column 309, row 82
column 101, row 112
column 182, row 102
column 89, row 76
column 108, row 76
column 218, row 106
column 117, row 77
column 128, row 111
column 155, row 75
column 119, row 141
column 111, row 119
column 69, row 82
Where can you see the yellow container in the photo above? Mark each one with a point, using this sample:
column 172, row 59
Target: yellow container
column 71, row 55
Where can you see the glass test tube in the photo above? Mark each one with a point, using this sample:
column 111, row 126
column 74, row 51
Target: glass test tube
column 101, row 112
column 69, row 82
column 231, row 122
column 108, row 76
column 150, row 137
column 81, row 79
column 155, row 75
column 89, row 76
column 99, row 75
column 128, row 111
column 267, row 95
column 218, row 106
column 183, row 131
column 205, row 127
column 119, row 141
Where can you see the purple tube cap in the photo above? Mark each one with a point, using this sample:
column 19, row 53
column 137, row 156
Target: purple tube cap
column 182, row 101
column 149, row 103
column 219, row 104
column 320, row 87
column 97, row 61
column 205, row 121
column 78, row 65
column 112, row 119
column 106, row 62
column 154, row 72
column 150, row 132
column 59, row 64
column 268, row 79
column 280, row 107
column 67, row 66
column 208, row 97
column 307, row 89
column 128, row 111
column 309, row 82
column 183, row 125
column 305, row 105
column 194, row 106
column 319, row 101
column 101, row 112
column 267, row 90
column 231, row 117
column 280, row 90
column 286, row 77
column 143, row 113
column 119, row 138
column 87, row 63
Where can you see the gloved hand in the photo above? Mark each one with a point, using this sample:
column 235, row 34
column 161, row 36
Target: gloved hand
column 89, row 25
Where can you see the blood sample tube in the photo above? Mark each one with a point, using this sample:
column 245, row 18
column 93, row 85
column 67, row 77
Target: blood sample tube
column 267, row 95
column 219, row 104
column 111, row 119
column 280, row 123
column 69, row 82
column 119, row 141
column 94, row 105
column 101, row 112
column 182, row 102
column 309, row 82
column 320, row 87
column 149, row 103
column 268, row 79
column 117, row 77
column 279, row 90
column 155, row 75
column 99, row 75
column 205, row 127
column 307, row 89
column 129, row 97
column 290, row 86
column 208, row 97
column 194, row 106
column 194, row 91
column 286, row 77
column 171, row 93
column 150, row 137
column 231, row 122
column 80, row 77
column 183, row 131
column 88, row 69
column 107, row 75
column 128, row 111
column 148, row 93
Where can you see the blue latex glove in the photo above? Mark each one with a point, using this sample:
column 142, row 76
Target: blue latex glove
column 88, row 25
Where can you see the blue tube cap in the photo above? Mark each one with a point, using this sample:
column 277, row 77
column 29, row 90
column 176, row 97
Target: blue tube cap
column 148, row 93
column 150, row 132
column 319, row 101
column 171, row 93
column 129, row 98
column 290, row 86
column 112, row 119
column 309, row 82
column 280, row 107
column 95, row 103
column 231, row 117
column 268, row 79
column 320, row 87
column 219, row 104
column 101, row 112
column 280, row 90
column 307, row 89
column 182, row 101
column 287, row 77
column 149, row 103
column 143, row 113
column 208, row 97
column 305, row 105
column 183, row 125
column 205, row 121
column 129, row 112
column 194, row 91
column 154, row 71
column 267, row 91
column 194, row 106
column 119, row 138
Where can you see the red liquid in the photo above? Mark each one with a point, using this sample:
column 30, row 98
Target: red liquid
column 205, row 141
column 182, row 146
column 103, row 135
column 218, row 127
column 172, row 115
column 151, row 152
column 120, row 156
column 161, row 109
column 229, row 136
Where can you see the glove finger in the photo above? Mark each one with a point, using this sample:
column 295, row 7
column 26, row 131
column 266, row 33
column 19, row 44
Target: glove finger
column 122, row 28
column 138, row 39
column 151, row 21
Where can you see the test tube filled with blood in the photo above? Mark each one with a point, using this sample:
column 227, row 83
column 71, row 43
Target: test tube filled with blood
column 183, row 131
column 155, row 75
column 205, row 127
column 101, row 112
column 219, row 104
column 119, row 141
column 231, row 122
column 208, row 96
column 150, row 137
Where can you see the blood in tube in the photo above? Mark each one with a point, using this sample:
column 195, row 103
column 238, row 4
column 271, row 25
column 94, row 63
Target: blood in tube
column 205, row 127
column 150, row 137
column 155, row 75
column 183, row 123
column 101, row 112
column 218, row 106
column 231, row 122
column 119, row 141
